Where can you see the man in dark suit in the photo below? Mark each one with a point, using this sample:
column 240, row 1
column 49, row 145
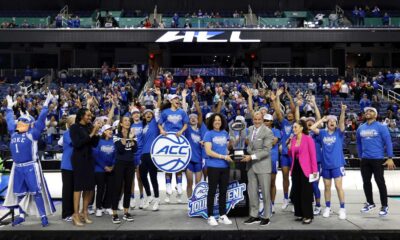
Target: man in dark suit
column 259, row 169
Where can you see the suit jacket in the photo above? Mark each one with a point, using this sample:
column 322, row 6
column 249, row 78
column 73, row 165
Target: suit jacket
column 307, row 155
column 260, row 148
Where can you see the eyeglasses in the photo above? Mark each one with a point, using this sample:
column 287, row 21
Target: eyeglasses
column 24, row 120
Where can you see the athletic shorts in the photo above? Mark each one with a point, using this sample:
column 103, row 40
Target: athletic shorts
column 274, row 169
column 286, row 161
column 27, row 180
column 195, row 166
column 137, row 161
column 333, row 173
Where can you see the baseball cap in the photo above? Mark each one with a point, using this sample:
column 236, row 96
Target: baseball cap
column 208, row 115
column 240, row 118
column 268, row 117
column 172, row 96
column 26, row 119
column 372, row 109
column 105, row 128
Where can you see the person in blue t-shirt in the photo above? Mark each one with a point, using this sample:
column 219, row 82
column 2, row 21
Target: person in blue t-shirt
column 333, row 162
column 372, row 140
column 67, row 174
column 149, row 133
column 216, row 142
column 104, row 155
column 287, row 131
column 269, row 122
column 173, row 119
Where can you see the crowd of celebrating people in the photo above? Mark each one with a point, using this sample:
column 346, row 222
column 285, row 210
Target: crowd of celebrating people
column 108, row 133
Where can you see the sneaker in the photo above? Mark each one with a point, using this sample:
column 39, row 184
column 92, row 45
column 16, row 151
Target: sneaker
column 109, row 211
column 252, row 220
column 212, row 222
column 292, row 208
column 264, row 222
column 273, row 209
column 99, row 212
column 156, row 204
column 120, row 204
column 285, row 203
column 17, row 221
column 179, row 198
column 146, row 203
column 132, row 203
column 317, row 210
column 142, row 201
column 115, row 219
column 91, row 210
column 342, row 213
column 224, row 219
column 367, row 207
column 150, row 199
column 327, row 212
column 167, row 199
column 45, row 221
column 179, row 188
column 384, row 211
column 169, row 189
column 128, row 217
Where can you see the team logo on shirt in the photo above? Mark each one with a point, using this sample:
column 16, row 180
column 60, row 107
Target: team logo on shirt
column 368, row 133
column 220, row 140
column 195, row 137
column 329, row 140
column 107, row 149
column 170, row 153
column 198, row 202
column 175, row 119
column 288, row 129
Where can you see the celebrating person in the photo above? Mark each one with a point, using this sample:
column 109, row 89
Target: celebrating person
column 216, row 142
column 26, row 177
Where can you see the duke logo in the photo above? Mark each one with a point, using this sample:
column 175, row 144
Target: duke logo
column 198, row 201
column 170, row 153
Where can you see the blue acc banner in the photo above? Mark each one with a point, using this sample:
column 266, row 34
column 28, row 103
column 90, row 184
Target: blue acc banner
column 198, row 201
column 170, row 153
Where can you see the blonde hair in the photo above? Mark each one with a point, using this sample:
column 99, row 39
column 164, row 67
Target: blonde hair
column 70, row 120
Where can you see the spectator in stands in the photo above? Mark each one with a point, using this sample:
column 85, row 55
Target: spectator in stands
column 386, row 19
column 236, row 14
column 393, row 129
column 364, row 102
column 334, row 89
column 344, row 89
column 28, row 74
column 175, row 19
column 355, row 15
column 369, row 90
column 155, row 23
column 333, row 19
column 76, row 22
column 326, row 105
column 189, row 83
column 376, row 103
column 58, row 20
column 187, row 24
column 326, row 88
column 380, row 78
column 361, row 16
column 312, row 86
column 199, row 14
column 389, row 78
column 320, row 85
column 198, row 83
column 357, row 92
column 162, row 24
column 147, row 23
column 393, row 106
column 376, row 12
column 396, row 86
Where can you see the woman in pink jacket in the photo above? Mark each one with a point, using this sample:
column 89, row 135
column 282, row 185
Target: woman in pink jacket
column 302, row 150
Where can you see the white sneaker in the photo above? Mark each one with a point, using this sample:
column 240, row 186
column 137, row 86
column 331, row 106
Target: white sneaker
column 212, row 222
column 146, row 203
column 292, row 208
column 273, row 209
column 179, row 198
column 133, row 203
column 179, row 188
column 285, row 203
column 120, row 204
column 150, row 199
column 169, row 189
column 342, row 213
column 91, row 210
column 224, row 219
column 99, row 212
column 317, row 211
column 142, row 200
column 109, row 211
column 167, row 199
column 156, row 204
column 327, row 212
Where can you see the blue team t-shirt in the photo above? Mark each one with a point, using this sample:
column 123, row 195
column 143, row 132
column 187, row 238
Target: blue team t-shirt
column 104, row 154
column 219, row 141
column 194, row 137
column 287, row 130
column 138, row 129
column 332, row 149
column 150, row 133
column 67, row 152
column 275, row 148
column 173, row 121
column 318, row 148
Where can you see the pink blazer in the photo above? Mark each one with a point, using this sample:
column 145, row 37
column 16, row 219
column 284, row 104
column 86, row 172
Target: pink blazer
column 307, row 155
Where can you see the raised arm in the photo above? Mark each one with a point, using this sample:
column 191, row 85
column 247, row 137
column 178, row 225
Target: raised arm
column 315, row 126
column 184, row 103
column 277, row 103
column 297, row 112
column 10, row 115
column 112, row 110
column 250, row 101
column 342, row 118
column 291, row 105
column 198, row 110
column 316, row 109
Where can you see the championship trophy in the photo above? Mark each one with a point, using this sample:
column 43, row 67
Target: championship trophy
column 239, row 149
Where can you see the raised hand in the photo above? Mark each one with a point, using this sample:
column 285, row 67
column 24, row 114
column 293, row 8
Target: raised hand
column 299, row 102
column 343, row 107
column 272, row 96
column 10, row 102
column 279, row 92
column 157, row 91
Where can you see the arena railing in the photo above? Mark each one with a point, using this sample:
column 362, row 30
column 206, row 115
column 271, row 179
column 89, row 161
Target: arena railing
column 207, row 71
column 299, row 71
column 21, row 72
column 91, row 72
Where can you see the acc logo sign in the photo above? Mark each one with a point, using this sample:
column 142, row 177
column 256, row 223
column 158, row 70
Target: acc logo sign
column 198, row 201
column 170, row 153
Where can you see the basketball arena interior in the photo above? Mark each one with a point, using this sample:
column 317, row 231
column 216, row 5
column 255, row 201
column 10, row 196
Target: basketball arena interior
column 233, row 59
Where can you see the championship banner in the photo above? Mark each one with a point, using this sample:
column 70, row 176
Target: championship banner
column 170, row 153
column 198, row 202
